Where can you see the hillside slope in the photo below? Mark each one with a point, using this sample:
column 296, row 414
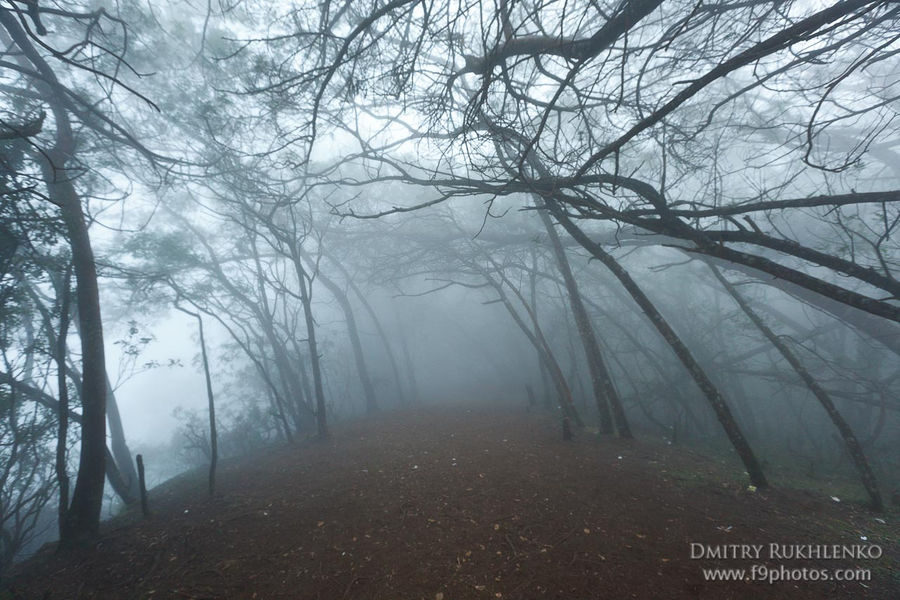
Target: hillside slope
column 462, row 504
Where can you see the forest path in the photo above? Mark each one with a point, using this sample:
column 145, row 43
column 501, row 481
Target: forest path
column 445, row 505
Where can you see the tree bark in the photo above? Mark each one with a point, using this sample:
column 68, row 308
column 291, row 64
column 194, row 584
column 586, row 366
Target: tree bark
column 83, row 516
column 605, row 394
column 211, row 402
column 213, row 433
column 408, row 363
column 124, row 482
column 145, row 506
column 306, row 301
column 293, row 393
column 62, row 412
column 715, row 399
column 853, row 446
column 120, row 450
column 532, row 282
column 537, row 340
column 112, row 472
column 355, row 343
column 392, row 359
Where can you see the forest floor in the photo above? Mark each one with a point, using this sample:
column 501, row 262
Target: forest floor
column 446, row 505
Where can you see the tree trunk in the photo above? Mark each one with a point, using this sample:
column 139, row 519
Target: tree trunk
column 120, row 471
column 321, row 419
column 304, row 378
column 281, row 425
column 211, row 403
column 545, row 379
column 408, row 363
column 83, row 516
column 392, row 359
column 112, row 472
column 62, row 413
column 537, row 340
column 853, row 446
column 355, row 343
column 126, row 486
column 116, row 482
column 130, row 493
column 145, row 507
column 213, row 434
column 605, row 394
column 715, row 399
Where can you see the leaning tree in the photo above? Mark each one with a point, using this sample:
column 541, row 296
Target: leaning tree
column 756, row 135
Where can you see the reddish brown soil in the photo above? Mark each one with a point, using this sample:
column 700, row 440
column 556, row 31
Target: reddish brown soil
column 454, row 505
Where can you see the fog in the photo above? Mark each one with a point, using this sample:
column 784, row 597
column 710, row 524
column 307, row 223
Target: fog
column 236, row 232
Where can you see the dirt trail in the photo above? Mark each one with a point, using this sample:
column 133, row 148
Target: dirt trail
column 455, row 505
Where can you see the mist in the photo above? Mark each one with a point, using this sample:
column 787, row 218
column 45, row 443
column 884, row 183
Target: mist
column 439, row 300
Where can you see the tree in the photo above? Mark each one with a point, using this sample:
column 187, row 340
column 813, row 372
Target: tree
column 74, row 113
column 607, row 398
column 623, row 138
column 600, row 127
column 211, row 404
column 853, row 445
